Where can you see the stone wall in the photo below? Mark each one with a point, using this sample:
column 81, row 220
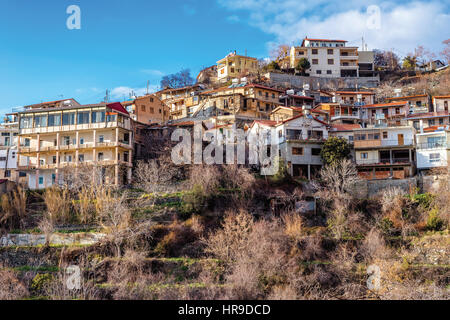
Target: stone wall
column 316, row 83
column 371, row 188
column 27, row 240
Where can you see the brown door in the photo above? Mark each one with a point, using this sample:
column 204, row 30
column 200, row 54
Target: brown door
column 401, row 139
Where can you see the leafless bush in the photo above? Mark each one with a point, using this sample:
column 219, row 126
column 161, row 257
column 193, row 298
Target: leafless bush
column 442, row 195
column 156, row 176
column 237, row 177
column 14, row 211
column 338, row 179
column 205, row 176
column 373, row 246
column 226, row 242
column 10, row 286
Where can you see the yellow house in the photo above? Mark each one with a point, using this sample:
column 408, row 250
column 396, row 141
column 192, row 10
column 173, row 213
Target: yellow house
column 234, row 66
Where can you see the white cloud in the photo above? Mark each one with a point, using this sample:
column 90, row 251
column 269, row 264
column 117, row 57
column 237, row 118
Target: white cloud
column 153, row 72
column 124, row 92
column 402, row 26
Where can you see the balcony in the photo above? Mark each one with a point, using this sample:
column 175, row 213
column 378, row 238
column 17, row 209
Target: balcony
column 384, row 162
column 77, row 127
column 73, row 147
column 433, row 145
column 367, row 143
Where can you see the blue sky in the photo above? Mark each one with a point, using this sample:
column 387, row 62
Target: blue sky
column 122, row 44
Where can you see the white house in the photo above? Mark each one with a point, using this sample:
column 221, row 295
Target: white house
column 300, row 141
column 433, row 149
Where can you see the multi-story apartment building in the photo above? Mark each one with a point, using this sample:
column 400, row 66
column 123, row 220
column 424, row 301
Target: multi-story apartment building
column 340, row 113
column 433, row 148
column 441, row 103
column 300, row 141
column 331, row 58
column 148, row 109
column 392, row 113
column 9, row 130
column 357, row 98
column 245, row 101
column 428, row 119
column 419, row 103
column 58, row 139
column 385, row 152
column 182, row 102
column 235, row 66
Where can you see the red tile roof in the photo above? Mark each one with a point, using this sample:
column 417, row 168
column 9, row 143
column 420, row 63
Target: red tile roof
column 428, row 115
column 118, row 107
column 345, row 127
column 380, row 105
column 408, row 97
column 442, row 97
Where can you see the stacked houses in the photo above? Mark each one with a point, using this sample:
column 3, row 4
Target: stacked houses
column 43, row 144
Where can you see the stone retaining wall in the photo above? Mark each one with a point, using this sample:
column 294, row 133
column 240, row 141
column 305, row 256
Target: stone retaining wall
column 27, row 240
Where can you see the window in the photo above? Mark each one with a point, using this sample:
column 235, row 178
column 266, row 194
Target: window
column 101, row 138
column 5, row 134
column 364, row 155
column 152, row 110
column 280, row 133
column 143, row 108
column 53, row 178
column 350, row 138
column 83, row 117
column 260, row 93
column 319, row 71
column 315, row 61
column 328, row 71
column 297, row 151
column 40, row 121
column 100, row 156
column 416, row 125
column 7, row 173
column 22, row 174
column 431, row 122
column 435, row 157
column 26, row 122
column 151, row 99
column 41, row 180
column 315, row 151
column 330, row 61
column 111, row 117
column 125, row 156
column 98, row 116
column 81, row 140
column 7, row 141
column 66, row 141
column 54, row 120
column 314, row 51
column 330, row 51
column 385, row 135
column 68, row 119
column 27, row 142
column 273, row 95
column 54, row 159
column 81, row 158
column 13, row 155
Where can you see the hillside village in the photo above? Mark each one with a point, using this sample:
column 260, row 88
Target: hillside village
column 94, row 184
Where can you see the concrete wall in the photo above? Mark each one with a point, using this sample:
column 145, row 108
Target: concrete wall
column 55, row 239
column 371, row 188
column 321, row 82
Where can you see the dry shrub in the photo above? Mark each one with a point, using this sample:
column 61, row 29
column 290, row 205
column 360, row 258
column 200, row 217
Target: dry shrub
column 285, row 292
column 205, row 176
column 226, row 242
column 373, row 246
column 14, row 211
column 442, row 195
column 58, row 203
column 10, row 286
column 178, row 238
column 156, row 176
column 293, row 225
column 85, row 205
column 237, row 177
column 262, row 265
